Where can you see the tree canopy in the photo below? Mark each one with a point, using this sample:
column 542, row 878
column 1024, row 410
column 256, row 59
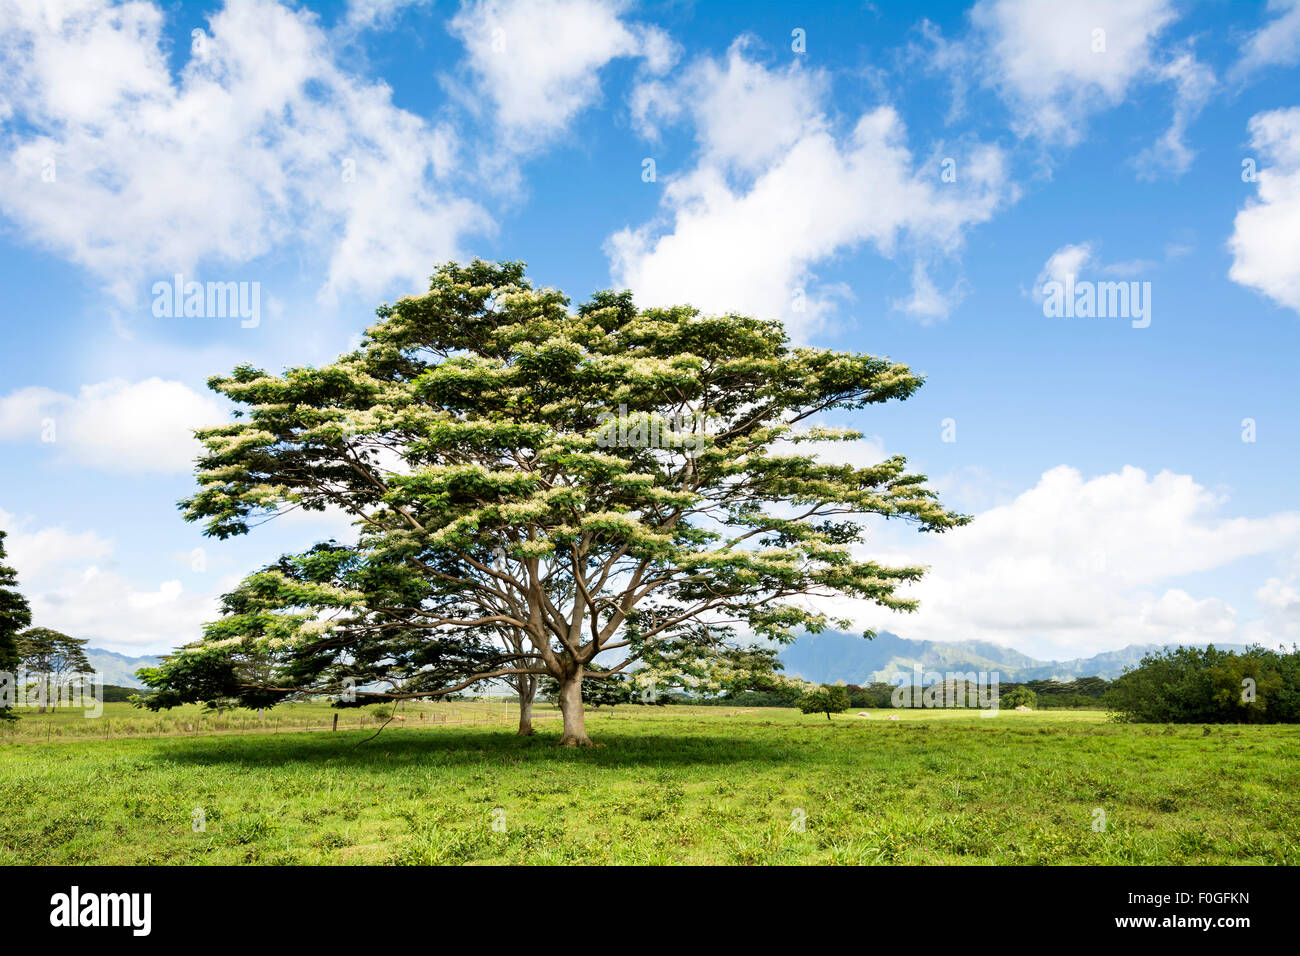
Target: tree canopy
column 54, row 657
column 47, row 651
column 1195, row 685
column 15, row 614
column 628, row 489
column 827, row 699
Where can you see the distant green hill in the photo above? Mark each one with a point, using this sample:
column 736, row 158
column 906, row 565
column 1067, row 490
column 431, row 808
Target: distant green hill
column 834, row 656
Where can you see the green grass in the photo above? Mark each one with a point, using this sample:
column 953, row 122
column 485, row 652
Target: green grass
column 669, row 785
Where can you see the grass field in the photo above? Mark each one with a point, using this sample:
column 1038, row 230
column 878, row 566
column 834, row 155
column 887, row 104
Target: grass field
column 667, row 785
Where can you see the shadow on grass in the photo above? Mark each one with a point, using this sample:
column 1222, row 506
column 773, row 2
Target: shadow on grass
column 476, row 747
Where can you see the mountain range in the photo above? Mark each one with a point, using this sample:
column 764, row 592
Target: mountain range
column 835, row 656
column 118, row 669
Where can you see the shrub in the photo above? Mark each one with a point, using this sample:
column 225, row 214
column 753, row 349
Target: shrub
column 1018, row 697
column 1188, row 685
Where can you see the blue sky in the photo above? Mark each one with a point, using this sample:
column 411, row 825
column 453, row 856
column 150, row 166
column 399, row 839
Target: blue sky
column 333, row 154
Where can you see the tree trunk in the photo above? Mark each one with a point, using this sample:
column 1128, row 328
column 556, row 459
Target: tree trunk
column 527, row 688
column 575, row 721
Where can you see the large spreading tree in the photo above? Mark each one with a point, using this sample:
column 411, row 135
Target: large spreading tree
column 15, row 614
column 623, row 489
column 55, row 658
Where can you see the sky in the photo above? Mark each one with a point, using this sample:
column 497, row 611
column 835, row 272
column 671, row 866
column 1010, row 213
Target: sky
column 924, row 181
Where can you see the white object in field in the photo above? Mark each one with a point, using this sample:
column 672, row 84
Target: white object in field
column 1028, row 710
column 893, row 716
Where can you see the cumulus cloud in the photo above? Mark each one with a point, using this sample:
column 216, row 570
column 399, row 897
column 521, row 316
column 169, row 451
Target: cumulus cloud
column 66, row 578
column 116, row 425
column 1281, row 599
column 1265, row 242
column 1076, row 566
column 111, row 612
column 775, row 191
column 36, row 551
column 1058, row 63
column 261, row 139
column 538, row 61
column 1277, row 43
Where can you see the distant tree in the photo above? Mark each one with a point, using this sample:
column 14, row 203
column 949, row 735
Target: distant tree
column 1018, row 697
column 15, row 614
column 1209, row 686
column 874, row 695
column 54, row 657
column 827, row 699
column 1086, row 692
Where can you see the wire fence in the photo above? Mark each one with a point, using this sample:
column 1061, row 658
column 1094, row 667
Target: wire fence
column 458, row 714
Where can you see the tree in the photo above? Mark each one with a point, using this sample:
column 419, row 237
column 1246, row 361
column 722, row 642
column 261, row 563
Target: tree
column 827, row 699
column 54, row 657
column 877, row 694
column 608, row 482
column 1018, row 697
column 1209, row 686
column 15, row 614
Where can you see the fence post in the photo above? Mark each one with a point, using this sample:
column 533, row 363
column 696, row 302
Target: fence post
column 336, row 721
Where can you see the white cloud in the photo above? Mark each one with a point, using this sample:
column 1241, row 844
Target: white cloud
column 538, row 61
column 776, row 191
column 60, row 573
column 1281, row 599
column 1170, row 155
column 1076, row 566
column 111, row 612
column 927, row 301
column 375, row 14
column 1265, row 240
column 1074, row 258
column 35, row 552
column 1055, row 69
column 115, row 425
column 1277, row 43
column 262, row 139
column 1062, row 264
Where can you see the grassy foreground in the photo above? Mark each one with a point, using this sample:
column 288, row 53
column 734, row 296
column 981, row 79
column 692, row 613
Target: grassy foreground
column 669, row 785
